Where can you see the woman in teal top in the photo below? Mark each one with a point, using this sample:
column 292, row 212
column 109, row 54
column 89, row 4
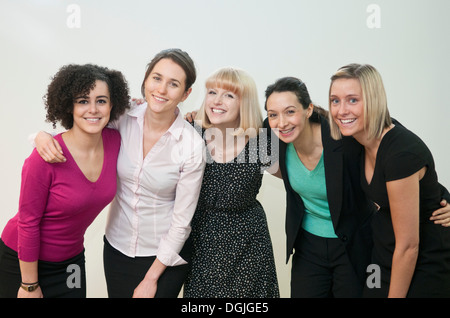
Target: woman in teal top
column 311, row 186
column 327, row 213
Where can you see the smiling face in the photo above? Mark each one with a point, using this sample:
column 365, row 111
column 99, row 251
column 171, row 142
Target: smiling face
column 222, row 107
column 165, row 86
column 286, row 115
column 347, row 106
column 91, row 113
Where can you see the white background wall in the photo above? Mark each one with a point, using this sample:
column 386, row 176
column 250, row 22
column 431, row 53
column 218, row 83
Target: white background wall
column 406, row 40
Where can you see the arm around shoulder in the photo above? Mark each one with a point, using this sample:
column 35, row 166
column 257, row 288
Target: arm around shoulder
column 48, row 148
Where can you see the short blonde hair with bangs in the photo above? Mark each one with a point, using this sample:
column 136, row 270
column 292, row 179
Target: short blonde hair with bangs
column 242, row 84
column 376, row 113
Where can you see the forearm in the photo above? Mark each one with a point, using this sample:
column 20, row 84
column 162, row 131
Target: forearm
column 149, row 285
column 155, row 271
column 403, row 266
column 29, row 271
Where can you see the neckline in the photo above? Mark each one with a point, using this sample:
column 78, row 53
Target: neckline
column 301, row 164
column 68, row 155
column 377, row 158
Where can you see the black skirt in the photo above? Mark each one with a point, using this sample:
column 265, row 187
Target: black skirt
column 65, row 279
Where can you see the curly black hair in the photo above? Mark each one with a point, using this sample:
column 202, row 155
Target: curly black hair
column 75, row 80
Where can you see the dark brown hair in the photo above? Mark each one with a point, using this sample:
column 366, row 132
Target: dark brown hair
column 296, row 86
column 74, row 80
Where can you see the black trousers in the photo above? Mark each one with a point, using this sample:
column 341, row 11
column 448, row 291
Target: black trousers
column 65, row 279
column 321, row 268
column 123, row 274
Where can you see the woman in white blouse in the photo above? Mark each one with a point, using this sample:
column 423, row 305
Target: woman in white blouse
column 160, row 169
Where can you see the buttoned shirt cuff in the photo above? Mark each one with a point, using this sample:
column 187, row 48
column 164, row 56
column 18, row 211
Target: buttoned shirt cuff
column 168, row 256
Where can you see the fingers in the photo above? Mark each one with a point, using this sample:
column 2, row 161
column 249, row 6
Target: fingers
column 48, row 148
column 442, row 215
column 444, row 221
column 138, row 101
column 52, row 152
column 190, row 116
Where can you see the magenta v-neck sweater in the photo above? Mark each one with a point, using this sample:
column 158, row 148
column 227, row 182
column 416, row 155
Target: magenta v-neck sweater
column 57, row 203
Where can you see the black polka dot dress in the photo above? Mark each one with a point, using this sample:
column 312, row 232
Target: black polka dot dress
column 232, row 250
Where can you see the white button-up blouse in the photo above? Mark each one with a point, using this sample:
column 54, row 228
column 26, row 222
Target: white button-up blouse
column 156, row 195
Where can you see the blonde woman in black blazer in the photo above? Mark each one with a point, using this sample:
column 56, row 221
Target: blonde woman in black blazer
column 332, row 265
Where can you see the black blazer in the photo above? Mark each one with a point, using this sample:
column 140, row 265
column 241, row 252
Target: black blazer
column 350, row 210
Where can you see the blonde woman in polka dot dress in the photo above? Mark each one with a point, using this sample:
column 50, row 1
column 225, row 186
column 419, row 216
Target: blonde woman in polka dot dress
column 232, row 255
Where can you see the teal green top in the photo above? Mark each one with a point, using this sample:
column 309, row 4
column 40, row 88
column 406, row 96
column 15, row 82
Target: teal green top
column 311, row 187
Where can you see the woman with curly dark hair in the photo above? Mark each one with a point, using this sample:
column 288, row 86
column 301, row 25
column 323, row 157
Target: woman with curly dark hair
column 41, row 248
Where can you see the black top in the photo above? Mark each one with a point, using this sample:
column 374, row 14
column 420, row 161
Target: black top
column 401, row 154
